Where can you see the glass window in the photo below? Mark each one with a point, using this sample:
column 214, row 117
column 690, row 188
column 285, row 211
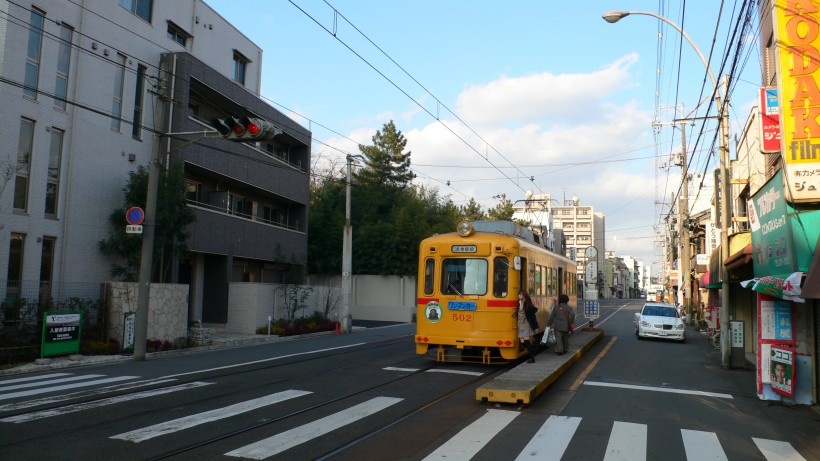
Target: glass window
column 176, row 34
column 23, row 169
column 136, row 128
column 63, row 65
column 35, row 42
column 141, row 8
column 500, row 277
column 240, row 64
column 119, row 81
column 538, row 280
column 192, row 191
column 429, row 275
column 463, row 276
column 15, row 267
column 47, row 259
column 55, row 155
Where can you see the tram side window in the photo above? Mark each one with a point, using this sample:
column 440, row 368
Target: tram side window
column 429, row 274
column 464, row 276
column 500, row 277
column 538, row 279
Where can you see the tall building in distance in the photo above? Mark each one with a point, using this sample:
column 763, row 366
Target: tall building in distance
column 581, row 225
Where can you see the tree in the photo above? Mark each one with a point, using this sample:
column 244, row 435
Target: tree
column 472, row 211
column 172, row 218
column 503, row 211
column 388, row 166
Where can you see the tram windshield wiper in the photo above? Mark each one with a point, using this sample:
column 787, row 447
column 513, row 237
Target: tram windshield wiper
column 453, row 287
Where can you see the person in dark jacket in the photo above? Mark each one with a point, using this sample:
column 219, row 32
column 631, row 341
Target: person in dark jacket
column 560, row 319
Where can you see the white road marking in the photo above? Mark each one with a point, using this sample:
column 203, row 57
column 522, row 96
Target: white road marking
column 67, row 386
column 777, row 451
column 455, row 372
column 471, row 439
column 702, row 446
column 32, row 378
column 400, row 369
column 81, row 394
column 99, row 403
column 551, row 440
column 278, row 443
column 28, row 385
column 280, row 357
column 627, row 442
column 188, row 422
column 660, row 389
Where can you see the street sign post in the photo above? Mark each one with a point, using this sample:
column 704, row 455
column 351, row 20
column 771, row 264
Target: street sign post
column 134, row 216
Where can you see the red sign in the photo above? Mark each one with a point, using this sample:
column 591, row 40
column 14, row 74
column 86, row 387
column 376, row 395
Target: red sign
column 769, row 121
column 134, row 215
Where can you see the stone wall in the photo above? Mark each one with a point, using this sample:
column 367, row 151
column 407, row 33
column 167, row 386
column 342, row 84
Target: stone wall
column 167, row 309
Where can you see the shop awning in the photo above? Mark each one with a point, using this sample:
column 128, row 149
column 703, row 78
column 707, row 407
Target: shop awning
column 739, row 259
column 783, row 287
column 811, row 285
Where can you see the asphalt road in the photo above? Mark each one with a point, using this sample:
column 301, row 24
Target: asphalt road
column 368, row 396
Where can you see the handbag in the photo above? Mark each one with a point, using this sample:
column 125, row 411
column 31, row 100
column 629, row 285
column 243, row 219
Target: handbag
column 548, row 338
column 571, row 325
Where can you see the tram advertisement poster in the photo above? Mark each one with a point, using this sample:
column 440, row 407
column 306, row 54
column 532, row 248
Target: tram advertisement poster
column 781, row 370
column 61, row 333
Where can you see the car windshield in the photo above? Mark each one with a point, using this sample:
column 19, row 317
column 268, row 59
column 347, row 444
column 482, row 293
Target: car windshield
column 660, row 311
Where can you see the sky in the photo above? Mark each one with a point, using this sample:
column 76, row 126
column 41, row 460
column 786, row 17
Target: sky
column 501, row 98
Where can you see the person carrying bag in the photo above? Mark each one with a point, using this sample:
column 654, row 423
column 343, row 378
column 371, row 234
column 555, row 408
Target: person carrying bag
column 527, row 323
column 562, row 321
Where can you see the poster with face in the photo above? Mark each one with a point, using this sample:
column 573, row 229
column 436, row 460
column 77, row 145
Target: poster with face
column 433, row 312
column 781, row 370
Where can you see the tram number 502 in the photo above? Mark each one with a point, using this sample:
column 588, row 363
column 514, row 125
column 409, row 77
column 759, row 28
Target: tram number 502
column 462, row 317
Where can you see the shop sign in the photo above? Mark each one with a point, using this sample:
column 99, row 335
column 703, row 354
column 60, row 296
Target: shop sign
column 769, row 121
column 798, row 45
column 772, row 242
column 61, row 333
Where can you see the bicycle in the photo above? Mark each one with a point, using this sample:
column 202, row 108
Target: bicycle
column 714, row 339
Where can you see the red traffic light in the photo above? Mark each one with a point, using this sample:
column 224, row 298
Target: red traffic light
column 244, row 129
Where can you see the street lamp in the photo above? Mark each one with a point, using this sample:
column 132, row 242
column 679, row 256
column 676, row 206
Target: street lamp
column 615, row 16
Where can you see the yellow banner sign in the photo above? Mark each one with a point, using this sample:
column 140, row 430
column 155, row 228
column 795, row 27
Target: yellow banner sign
column 798, row 34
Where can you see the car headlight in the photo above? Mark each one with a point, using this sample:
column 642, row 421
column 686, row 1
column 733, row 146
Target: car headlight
column 679, row 326
column 645, row 324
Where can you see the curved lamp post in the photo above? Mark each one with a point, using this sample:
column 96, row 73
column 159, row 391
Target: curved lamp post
column 614, row 16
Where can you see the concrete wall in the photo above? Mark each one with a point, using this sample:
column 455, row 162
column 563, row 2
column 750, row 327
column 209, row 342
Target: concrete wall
column 167, row 309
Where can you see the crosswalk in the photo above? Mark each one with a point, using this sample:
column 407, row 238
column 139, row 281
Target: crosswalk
column 627, row 441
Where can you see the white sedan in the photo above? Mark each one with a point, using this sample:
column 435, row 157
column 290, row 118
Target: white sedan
column 658, row 320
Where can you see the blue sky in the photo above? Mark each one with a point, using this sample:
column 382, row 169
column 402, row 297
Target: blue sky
column 491, row 94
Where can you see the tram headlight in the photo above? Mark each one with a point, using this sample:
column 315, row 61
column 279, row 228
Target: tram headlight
column 465, row 228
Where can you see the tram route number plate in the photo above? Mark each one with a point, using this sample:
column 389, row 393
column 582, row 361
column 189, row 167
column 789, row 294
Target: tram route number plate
column 461, row 306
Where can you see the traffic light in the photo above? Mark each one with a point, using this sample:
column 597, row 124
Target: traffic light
column 245, row 129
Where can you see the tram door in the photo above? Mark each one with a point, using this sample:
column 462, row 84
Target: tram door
column 523, row 276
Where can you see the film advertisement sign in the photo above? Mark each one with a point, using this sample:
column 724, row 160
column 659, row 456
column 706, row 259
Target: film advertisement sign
column 61, row 333
column 781, row 370
column 769, row 121
column 798, row 71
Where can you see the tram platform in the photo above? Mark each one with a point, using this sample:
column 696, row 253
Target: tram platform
column 527, row 381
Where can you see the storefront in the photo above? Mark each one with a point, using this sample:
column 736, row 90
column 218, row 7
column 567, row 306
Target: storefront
column 784, row 243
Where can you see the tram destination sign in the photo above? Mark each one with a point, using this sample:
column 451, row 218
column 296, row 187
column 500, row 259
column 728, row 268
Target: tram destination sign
column 464, row 249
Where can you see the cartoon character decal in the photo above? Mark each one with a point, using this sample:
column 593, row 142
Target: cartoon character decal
column 433, row 311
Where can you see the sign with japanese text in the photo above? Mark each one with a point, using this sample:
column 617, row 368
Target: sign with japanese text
column 772, row 240
column 775, row 317
column 61, row 333
column 769, row 121
column 798, row 70
column 781, row 370
column 129, row 323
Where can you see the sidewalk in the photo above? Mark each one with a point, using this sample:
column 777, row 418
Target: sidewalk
column 219, row 340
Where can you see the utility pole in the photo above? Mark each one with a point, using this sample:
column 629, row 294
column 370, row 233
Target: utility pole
column 684, row 280
column 347, row 256
column 725, row 202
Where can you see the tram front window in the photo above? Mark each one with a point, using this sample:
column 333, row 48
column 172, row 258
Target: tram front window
column 464, row 276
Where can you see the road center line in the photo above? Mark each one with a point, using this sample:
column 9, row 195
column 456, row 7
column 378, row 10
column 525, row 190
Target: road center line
column 660, row 389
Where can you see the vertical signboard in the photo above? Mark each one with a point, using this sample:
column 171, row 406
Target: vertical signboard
column 773, row 246
column 769, row 121
column 798, row 70
column 129, row 322
column 61, row 333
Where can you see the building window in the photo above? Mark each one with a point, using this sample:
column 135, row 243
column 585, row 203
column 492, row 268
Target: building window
column 15, row 268
column 136, row 129
column 141, row 8
column 35, row 44
column 178, row 35
column 583, row 211
column 63, row 65
column 241, row 206
column 47, row 259
column 55, row 156
column 24, row 151
column 192, row 191
column 119, row 81
column 240, row 65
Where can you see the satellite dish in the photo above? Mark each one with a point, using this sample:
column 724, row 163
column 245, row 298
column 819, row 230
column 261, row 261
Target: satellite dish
column 575, row 200
column 528, row 195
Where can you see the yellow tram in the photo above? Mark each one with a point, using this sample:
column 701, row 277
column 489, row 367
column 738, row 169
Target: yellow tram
column 468, row 283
